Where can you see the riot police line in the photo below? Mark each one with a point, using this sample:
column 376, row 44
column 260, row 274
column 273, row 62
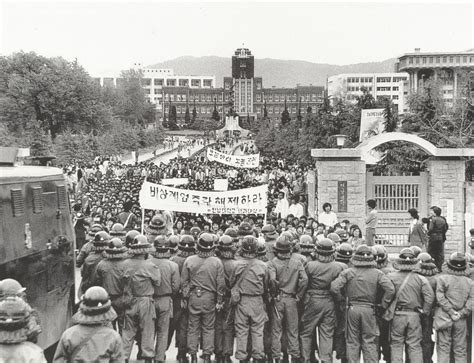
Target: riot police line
column 236, row 296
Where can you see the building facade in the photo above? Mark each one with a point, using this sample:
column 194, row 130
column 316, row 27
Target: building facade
column 454, row 70
column 246, row 91
column 392, row 86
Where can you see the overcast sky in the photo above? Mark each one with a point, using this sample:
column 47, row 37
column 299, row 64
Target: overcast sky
column 108, row 36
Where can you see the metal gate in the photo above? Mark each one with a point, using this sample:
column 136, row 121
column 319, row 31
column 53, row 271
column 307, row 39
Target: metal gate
column 395, row 195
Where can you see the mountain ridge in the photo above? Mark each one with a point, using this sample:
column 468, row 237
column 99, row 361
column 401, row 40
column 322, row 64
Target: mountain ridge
column 275, row 72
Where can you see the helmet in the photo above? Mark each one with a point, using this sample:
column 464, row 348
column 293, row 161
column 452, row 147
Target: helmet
column 245, row 229
column 457, row 262
column 334, row 237
column 416, row 250
column 406, row 261
column 14, row 314
column 425, row 258
column 380, row 253
column 11, row 287
column 117, row 230
column 157, row 222
column 140, row 239
column 364, row 250
column 161, row 242
column 95, row 295
column 268, row 228
column 205, row 242
column 115, row 243
column 225, row 241
column 249, row 245
column 282, row 245
column 344, row 252
column 101, row 238
column 306, row 240
column 343, row 235
column 407, row 253
column 187, row 243
column 173, row 242
column 325, row 247
column 195, row 231
column 116, row 249
column 232, row 232
column 94, row 229
column 130, row 236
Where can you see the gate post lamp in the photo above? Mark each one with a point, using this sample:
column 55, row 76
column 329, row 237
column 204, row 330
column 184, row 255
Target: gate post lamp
column 340, row 140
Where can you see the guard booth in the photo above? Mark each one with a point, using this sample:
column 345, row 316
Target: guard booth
column 343, row 181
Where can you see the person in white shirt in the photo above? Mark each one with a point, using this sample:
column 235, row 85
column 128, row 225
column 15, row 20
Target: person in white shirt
column 282, row 207
column 295, row 208
column 328, row 217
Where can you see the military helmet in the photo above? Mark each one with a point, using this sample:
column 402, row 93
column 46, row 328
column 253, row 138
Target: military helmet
column 130, row 236
column 380, row 253
column 117, row 230
column 457, row 262
column 11, row 287
column 205, row 242
column 161, row 243
column 282, row 245
column 334, row 237
column 249, row 246
column 325, row 247
column 245, row 229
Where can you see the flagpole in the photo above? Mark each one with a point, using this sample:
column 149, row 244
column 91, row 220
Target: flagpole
column 143, row 220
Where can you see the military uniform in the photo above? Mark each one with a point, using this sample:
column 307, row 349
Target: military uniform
column 141, row 278
column 109, row 275
column 249, row 283
column 169, row 287
column 270, row 234
column 289, row 277
column 224, row 335
column 320, row 310
column 362, row 282
column 91, row 340
column 429, row 270
column 454, row 293
column 203, row 286
column 186, row 248
column 89, row 268
column 416, row 297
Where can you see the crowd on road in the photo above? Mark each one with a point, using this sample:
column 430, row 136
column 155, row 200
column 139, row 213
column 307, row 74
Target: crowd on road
column 291, row 287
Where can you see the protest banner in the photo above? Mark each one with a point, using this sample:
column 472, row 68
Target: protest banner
column 242, row 201
column 221, row 184
column 371, row 122
column 243, row 161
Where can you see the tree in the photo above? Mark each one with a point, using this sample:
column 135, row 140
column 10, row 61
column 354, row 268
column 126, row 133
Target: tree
column 299, row 117
column 173, row 119
column 285, row 115
column 366, row 100
column 215, row 114
column 390, row 118
column 265, row 112
column 51, row 93
column 187, row 117
column 194, row 112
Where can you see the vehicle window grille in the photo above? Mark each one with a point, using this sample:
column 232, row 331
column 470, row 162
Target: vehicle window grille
column 37, row 200
column 61, row 193
column 18, row 203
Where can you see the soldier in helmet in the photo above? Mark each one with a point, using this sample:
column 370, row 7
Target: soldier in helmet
column 344, row 253
column 383, row 264
column 109, row 275
column 91, row 339
column 429, row 270
column 261, row 250
column 118, row 231
column 288, row 276
column 195, row 232
column 414, row 296
column 141, row 277
column 454, row 294
column 361, row 283
column 89, row 245
column 203, row 285
column 156, row 227
column 163, row 296
column 173, row 242
column 249, row 282
column 307, row 247
column 186, row 248
column 224, row 336
column 16, row 326
column 130, row 236
column 89, row 269
column 320, row 309
column 11, row 287
column 270, row 234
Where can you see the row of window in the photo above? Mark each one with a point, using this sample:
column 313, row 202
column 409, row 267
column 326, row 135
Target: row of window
column 451, row 59
column 379, row 79
column 172, row 82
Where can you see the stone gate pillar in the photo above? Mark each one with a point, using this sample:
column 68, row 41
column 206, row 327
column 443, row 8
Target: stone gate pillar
column 341, row 179
column 446, row 190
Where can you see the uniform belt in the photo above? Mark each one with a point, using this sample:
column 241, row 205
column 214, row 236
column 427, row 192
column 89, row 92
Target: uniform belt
column 319, row 292
column 406, row 312
column 143, row 296
column 361, row 303
column 400, row 308
column 164, row 295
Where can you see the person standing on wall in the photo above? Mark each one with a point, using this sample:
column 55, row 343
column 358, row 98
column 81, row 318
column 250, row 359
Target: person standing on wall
column 371, row 222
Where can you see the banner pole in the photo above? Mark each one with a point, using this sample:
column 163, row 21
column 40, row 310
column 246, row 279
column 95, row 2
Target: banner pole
column 143, row 220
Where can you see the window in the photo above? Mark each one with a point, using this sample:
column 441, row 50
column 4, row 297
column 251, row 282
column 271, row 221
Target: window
column 383, row 79
column 395, row 97
column 178, row 98
column 209, row 99
column 464, row 59
column 398, row 79
column 445, row 59
column 158, row 81
column 394, row 88
column 424, row 60
column 171, row 82
column 438, row 59
column 146, row 81
column 259, row 97
column 270, row 97
column 207, row 83
column 277, row 98
column 183, row 82
column 37, row 200
column 157, row 91
column 451, row 59
column 410, row 60
column 383, row 89
column 171, row 97
column 183, row 97
column 417, row 60
column 430, row 59
column 147, row 91
column 259, row 85
column 458, row 59
column 313, row 97
column 227, row 85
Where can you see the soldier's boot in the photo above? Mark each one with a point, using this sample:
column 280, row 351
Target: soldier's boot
column 194, row 358
column 219, row 358
column 206, row 358
column 227, row 358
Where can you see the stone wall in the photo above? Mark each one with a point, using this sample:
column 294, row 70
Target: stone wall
column 446, row 190
column 329, row 172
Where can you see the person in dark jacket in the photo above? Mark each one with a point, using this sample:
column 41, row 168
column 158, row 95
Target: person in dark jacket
column 437, row 229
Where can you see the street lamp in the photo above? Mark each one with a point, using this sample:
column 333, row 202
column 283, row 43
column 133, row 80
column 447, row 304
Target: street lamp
column 340, row 140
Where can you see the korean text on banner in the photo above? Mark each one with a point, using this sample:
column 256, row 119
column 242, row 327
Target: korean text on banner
column 242, row 201
column 244, row 161
column 371, row 122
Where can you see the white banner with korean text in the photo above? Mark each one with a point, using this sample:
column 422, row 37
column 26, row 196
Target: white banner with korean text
column 243, row 161
column 241, row 201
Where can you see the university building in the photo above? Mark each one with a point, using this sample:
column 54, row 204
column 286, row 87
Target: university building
column 453, row 69
column 392, row 86
column 249, row 95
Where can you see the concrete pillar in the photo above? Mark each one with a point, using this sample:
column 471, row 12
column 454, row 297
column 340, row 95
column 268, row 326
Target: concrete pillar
column 415, row 80
column 330, row 171
column 446, row 190
column 455, row 86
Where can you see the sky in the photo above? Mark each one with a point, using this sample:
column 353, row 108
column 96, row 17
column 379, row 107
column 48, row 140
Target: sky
column 107, row 37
